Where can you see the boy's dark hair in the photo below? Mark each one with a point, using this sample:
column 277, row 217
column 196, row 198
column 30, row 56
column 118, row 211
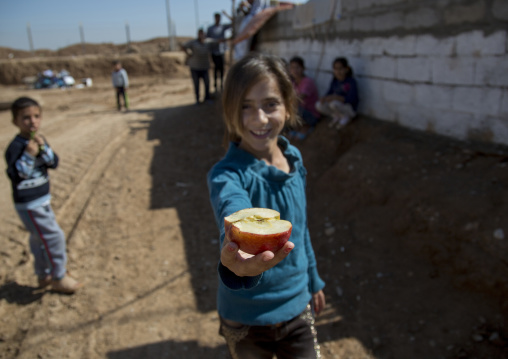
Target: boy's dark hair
column 298, row 60
column 116, row 62
column 343, row 61
column 22, row 103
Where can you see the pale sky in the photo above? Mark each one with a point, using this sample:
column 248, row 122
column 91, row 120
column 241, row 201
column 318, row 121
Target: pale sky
column 55, row 24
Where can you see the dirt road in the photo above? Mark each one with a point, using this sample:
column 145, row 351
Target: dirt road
column 396, row 217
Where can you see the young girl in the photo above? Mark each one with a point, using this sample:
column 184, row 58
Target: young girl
column 341, row 100
column 307, row 93
column 266, row 302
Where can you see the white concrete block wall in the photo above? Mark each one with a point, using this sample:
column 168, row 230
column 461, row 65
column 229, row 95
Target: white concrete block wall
column 491, row 71
column 453, row 70
column 455, row 85
column 414, row 69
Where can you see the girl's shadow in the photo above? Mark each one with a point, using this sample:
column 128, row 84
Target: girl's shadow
column 20, row 294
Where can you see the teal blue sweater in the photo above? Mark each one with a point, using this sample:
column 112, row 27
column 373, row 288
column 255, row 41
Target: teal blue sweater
column 241, row 181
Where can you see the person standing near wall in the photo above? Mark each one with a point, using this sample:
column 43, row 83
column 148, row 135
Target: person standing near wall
column 198, row 59
column 217, row 32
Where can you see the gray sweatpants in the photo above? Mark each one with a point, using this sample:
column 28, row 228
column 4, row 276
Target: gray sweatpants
column 47, row 241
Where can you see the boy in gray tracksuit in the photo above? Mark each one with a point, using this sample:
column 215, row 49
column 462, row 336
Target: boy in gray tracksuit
column 28, row 158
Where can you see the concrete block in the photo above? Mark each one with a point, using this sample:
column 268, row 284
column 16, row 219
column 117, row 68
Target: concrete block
column 421, row 18
column 468, row 13
column 363, row 4
column 344, row 24
column 414, row 117
column 358, row 65
column 388, row 21
column 500, row 9
column 348, row 6
column 499, row 127
column 453, row 124
column 453, row 71
column 327, row 59
column 381, row 67
column 492, row 71
column 400, row 46
column 389, row 2
column 477, row 100
column 428, row 45
column 369, row 89
column 503, row 111
column 316, row 45
column 397, row 92
column 475, row 43
column 347, row 47
column 379, row 109
column 312, row 61
column 363, row 23
column 434, row 96
column 372, row 46
column 417, row 69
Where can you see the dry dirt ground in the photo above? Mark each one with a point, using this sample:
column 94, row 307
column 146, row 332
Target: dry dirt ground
column 410, row 231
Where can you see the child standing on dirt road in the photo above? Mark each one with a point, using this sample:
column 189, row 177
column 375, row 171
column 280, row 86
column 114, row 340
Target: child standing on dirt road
column 266, row 302
column 28, row 158
column 120, row 81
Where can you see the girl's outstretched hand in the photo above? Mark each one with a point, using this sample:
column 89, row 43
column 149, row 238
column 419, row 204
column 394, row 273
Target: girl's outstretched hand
column 248, row 265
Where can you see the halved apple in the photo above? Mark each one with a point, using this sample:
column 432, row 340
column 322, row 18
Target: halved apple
column 256, row 230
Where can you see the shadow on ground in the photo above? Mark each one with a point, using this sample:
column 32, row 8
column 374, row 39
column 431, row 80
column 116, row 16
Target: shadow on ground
column 389, row 266
column 169, row 349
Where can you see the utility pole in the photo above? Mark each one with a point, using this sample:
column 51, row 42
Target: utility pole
column 82, row 36
column 128, row 34
column 197, row 14
column 30, row 41
column 171, row 32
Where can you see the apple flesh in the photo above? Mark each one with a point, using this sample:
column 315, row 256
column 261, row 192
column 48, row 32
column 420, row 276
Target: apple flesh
column 256, row 230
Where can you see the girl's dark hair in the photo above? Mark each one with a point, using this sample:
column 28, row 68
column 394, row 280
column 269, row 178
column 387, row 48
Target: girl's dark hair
column 241, row 77
column 298, row 60
column 22, row 103
column 343, row 61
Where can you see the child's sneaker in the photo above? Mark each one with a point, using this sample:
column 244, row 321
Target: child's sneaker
column 343, row 122
column 334, row 122
column 44, row 281
column 67, row 285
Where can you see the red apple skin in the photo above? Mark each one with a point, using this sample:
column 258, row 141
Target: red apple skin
column 253, row 243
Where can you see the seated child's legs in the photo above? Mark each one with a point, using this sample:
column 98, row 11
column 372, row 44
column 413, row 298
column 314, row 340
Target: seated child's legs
column 340, row 109
column 323, row 108
column 47, row 241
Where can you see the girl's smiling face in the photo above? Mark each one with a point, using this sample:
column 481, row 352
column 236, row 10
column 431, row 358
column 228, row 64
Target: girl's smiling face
column 263, row 117
column 28, row 120
column 339, row 71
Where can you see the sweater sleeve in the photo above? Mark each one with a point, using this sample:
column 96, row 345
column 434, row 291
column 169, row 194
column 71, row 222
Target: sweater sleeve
column 228, row 196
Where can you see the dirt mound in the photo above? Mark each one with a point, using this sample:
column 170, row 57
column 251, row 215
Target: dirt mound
column 152, row 46
column 148, row 58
